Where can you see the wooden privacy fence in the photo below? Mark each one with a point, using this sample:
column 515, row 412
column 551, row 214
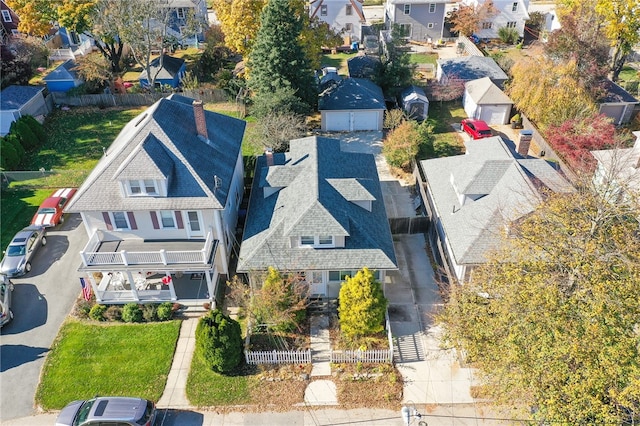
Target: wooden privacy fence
column 135, row 99
column 278, row 357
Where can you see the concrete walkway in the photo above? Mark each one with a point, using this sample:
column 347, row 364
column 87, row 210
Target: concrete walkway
column 320, row 346
column 174, row 394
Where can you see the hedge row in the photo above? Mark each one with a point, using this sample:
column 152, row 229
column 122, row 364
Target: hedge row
column 25, row 135
column 131, row 312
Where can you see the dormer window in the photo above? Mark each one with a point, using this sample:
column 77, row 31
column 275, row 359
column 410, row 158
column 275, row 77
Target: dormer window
column 317, row 241
column 142, row 187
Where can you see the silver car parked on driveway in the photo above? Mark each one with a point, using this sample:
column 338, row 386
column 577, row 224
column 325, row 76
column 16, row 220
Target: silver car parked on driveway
column 24, row 245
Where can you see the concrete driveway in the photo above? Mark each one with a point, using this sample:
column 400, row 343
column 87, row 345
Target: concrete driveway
column 41, row 301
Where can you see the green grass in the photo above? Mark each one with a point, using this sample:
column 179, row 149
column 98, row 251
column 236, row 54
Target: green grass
column 629, row 74
column 115, row 359
column 206, row 388
column 423, row 58
column 446, row 141
column 339, row 60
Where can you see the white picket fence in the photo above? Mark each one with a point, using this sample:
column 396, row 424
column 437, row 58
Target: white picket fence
column 278, row 357
column 373, row 356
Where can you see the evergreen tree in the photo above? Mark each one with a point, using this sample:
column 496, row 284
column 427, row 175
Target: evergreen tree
column 362, row 305
column 277, row 60
column 219, row 341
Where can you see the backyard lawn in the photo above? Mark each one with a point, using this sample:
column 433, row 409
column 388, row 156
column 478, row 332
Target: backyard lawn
column 107, row 359
column 446, row 140
column 338, row 60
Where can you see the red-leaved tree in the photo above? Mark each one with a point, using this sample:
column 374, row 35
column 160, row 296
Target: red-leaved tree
column 573, row 140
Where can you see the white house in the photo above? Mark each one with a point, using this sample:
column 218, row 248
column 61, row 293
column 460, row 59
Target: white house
column 344, row 16
column 618, row 172
column 161, row 206
column 511, row 14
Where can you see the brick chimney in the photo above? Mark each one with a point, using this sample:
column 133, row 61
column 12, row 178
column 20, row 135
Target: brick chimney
column 524, row 142
column 269, row 154
column 201, row 122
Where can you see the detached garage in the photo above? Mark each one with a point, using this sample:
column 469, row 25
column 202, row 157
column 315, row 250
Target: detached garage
column 17, row 101
column 483, row 100
column 353, row 104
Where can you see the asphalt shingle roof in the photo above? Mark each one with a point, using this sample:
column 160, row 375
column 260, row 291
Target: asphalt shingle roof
column 483, row 91
column 14, row 97
column 352, row 93
column 170, row 67
column 471, row 68
column 322, row 199
column 162, row 142
column 363, row 66
column 476, row 194
column 64, row 71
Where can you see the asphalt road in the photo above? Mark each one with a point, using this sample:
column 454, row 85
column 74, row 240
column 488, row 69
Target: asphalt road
column 41, row 301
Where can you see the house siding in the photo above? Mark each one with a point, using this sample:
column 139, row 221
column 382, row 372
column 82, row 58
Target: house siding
column 337, row 17
column 504, row 16
column 419, row 19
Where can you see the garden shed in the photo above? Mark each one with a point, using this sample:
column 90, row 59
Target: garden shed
column 169, row 73
column 353, row 104
column 17, row 101
column 63, row 78
column 618, row 104
column 415, row 102
column 483, row 100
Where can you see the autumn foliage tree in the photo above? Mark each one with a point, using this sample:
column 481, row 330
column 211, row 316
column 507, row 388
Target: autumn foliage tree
column 362, row 305
column 402, row 144
column 551, row 321
column 468, row 19
column 573, row 139
column 240, row 22
column 535, row 81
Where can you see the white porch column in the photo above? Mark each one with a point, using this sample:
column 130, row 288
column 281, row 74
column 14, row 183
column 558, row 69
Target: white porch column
column 94, row 287
column 212, row 281
column 220, row 235
column 134, row 292
column 172, row 289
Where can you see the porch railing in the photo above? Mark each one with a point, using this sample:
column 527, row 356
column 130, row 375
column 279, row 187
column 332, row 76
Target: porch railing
column 92, row 257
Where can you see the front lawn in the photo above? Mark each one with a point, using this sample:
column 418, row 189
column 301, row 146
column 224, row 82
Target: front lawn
column 107, row 359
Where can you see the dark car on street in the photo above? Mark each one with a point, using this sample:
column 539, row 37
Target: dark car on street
column 6, row 288
column 108, row 410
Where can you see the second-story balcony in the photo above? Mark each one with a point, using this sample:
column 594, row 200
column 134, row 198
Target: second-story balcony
column 105, row 249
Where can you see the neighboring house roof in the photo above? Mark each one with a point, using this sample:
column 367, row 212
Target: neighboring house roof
column 476, row 194
column 328, row 80
column 471, row 68
column 362, row 66
column 14, row 97
column 483, row 91
column 621, row 166
column 616, row 94
column 162, row 142
column 170, row 68
column 63, row 72
column 315, row 5
column 413, row 93
column 315, row 190
column 352, row 93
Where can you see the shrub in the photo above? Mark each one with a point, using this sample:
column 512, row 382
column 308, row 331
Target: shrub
column 150, row 312
column 394, row 118
column 35, row 127
column 401, row 144
column 113, row 313
column 82, row 308
column 219, row 341
column 15, row 142
column 97, row 312
column 164, row 311
column 508, row 35
column 8, row 156
column 283, row 100
column 28, row 139
column 132, row 313
column 362, row 305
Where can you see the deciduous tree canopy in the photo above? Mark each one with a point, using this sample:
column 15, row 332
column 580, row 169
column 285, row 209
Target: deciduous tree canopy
column 468, row 19
column 552, row 321
column 240, row 21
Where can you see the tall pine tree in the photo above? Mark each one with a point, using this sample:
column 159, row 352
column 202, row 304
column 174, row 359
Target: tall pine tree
column 277, row 61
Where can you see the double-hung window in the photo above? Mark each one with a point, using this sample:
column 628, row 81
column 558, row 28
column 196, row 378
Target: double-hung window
column 349, row 10
column 316, row 241
column 167, row 219
column 323, row 10
column 514, row 7
column 120, row 220
column 407, row 9
column 511, row 24
column 432, row 8
column 180, row 13
column 140, row 187
column 6, row 16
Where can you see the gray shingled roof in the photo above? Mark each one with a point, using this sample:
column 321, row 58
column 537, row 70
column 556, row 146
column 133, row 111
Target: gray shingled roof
column 14, row 97
column 472, row 67
column 64, row 72
column 616, row 94
column 162, row 142
column 320, row 200
column 483, row 91
column 170, row 67
column 362, row 66
column 352, row 93
column 499, row 188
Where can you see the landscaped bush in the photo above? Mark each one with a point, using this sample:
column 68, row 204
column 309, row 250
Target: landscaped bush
column 97, row 312
column 132, row 313
column 35, row 127
column 28, row 139
column 362, row 305
column 508, row 35
column 9, row 159
column 165, row 311
column 150, row 312
column 113, row 313
column 219, row 341
column 82, row 308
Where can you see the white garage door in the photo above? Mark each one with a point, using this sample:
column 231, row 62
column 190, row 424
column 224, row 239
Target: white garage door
column 365, row 120
column 351, row 120
column 494, row 114
column 337, row 121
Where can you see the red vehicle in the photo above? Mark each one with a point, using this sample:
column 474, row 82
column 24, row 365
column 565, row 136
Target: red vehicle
column 477, row 129
column 50, row 211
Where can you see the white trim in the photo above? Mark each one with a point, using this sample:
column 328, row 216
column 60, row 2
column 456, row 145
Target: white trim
column 171, row 215
column 316, row 241
column 113, row 221
column 6, row 16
